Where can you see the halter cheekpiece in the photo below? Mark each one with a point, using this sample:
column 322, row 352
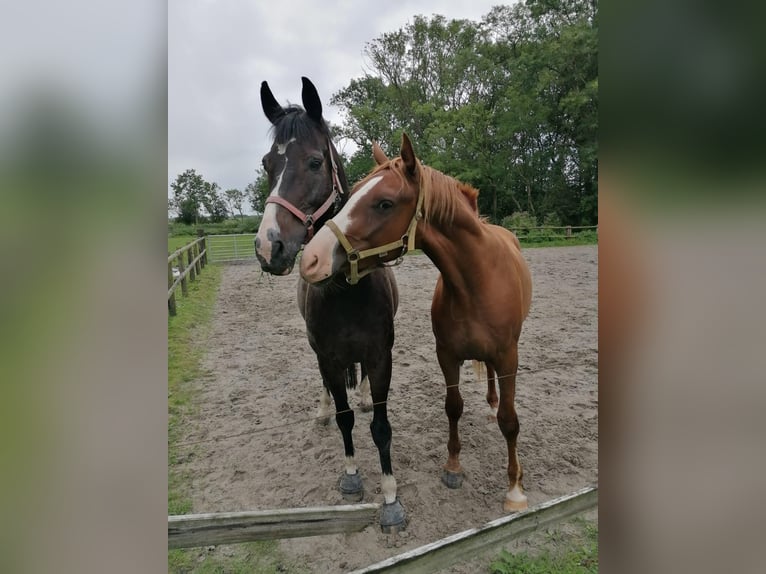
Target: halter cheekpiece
column 334, row 200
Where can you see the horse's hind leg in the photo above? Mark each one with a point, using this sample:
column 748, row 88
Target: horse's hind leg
column 325, row 407
column 350, row 484
column 481, row 369
column 392, row 514
column 453, row 405
column 365, row 398
column 508, row 421
column 492, row 399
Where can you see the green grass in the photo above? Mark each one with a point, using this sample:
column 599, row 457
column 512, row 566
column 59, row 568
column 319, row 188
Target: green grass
column 538, row 239
column 573, row 552
column 177, row 241
column 249, row 558
column 185, row 330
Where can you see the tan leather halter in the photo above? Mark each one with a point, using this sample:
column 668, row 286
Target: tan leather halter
column 309, row 219
column 406, row 243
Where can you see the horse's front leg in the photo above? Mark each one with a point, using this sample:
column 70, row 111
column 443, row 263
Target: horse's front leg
column 392, row 515
column 453, row 405
column 350, row 484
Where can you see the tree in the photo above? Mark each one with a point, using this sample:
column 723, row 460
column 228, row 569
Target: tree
column 257, row 191
column 234, row 200
column 508, row 104
column 214, row 203
column 188, row 193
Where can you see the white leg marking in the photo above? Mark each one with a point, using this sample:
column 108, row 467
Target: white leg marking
column 515, row 494
column 342, row 220
column 350, row 465
column 388, row 488
column 365, row 397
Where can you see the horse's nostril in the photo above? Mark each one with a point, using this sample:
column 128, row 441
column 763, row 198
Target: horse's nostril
column 277, row 247
column 257, row 243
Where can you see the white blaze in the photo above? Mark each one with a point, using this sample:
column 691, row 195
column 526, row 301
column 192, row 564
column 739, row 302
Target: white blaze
column 342, row 220
column 269, row 220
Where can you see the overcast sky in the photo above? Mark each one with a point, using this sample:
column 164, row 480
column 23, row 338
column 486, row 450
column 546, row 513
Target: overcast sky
column 219, row 52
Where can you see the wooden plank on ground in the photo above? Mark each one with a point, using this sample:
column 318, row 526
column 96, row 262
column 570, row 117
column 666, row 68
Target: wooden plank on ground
column 467, row 544
column 189, row 530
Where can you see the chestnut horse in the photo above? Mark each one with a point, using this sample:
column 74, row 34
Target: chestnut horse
column 346, row 324
column 482, row 296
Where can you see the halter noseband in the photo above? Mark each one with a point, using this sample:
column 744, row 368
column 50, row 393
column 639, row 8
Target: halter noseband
column 309, row 219
column 406, row 243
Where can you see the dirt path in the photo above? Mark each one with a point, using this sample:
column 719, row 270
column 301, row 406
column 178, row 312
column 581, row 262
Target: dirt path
column 263, row 375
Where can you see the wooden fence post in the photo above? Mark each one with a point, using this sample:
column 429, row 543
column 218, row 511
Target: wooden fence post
column 197, row 264
column 192, row 269
column 181, row 269
column 172, row 297
column 203, row 244
column 569, row 231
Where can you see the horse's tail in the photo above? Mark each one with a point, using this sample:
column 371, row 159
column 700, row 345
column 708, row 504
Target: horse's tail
column 350, row 376
column 480, row 369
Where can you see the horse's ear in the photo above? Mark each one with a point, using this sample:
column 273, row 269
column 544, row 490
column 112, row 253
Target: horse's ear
column 377, row 154
column 311, row 101
column 270, row 105
column 408, row 156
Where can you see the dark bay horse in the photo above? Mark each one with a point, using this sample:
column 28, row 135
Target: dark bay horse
column 346, row 324
column 482, row 296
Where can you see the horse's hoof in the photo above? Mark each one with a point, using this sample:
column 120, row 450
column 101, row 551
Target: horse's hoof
column 515, row 505
column 323, row 421
column 393, row 518
column 351, row 487
column 452, row 479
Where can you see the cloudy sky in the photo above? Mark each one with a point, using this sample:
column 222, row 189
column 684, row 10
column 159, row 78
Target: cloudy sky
column 219, row 52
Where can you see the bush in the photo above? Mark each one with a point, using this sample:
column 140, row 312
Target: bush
column 519, row 221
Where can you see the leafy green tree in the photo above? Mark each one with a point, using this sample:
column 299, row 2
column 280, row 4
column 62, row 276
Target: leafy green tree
column 214, row 203
column 235, row 199
column 188, row 193
column 257, row 191
column 508, row 104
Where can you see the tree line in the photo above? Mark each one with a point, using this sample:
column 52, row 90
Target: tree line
column 508, row 104
column 195, row 200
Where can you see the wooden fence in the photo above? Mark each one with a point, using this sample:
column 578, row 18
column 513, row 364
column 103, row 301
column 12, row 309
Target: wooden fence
column 192, row 530
column 546, row 232
column 196, row 259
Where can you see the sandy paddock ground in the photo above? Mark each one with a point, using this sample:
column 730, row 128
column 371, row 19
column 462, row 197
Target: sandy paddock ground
column 262, row 388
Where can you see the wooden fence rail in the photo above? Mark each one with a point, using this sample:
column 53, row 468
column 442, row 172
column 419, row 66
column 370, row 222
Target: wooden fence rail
column 523, row 232
column 196, row 259
column 189, row 530
column 470, row 543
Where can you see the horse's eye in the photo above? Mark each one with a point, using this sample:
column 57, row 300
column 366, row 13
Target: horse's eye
column 315, row 163
column 385, row 204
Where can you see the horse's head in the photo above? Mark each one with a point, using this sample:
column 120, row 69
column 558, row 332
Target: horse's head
column 377, row 224
column 306, row 180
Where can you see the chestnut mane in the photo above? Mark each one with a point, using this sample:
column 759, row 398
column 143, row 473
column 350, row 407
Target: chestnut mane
column 442, row 195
